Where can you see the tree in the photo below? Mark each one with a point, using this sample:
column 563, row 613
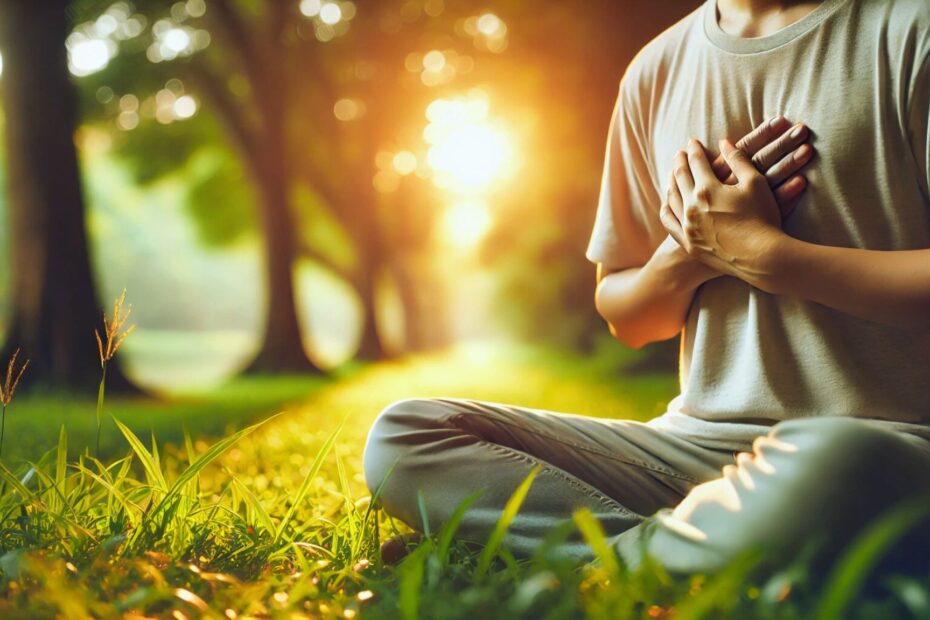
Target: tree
column 54, row 306
column 271, row 85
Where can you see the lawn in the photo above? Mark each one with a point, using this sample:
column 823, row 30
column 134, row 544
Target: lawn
column 226, row 520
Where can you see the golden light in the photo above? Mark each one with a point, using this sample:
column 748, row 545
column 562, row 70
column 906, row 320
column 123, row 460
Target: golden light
column 468, row 152
column 310, row 8
column 88, row 55
column 434, row 61
column 488, row 24
column 348, row 109
column 330, row 13
column 471, row 156
column 177, row 40
column 185, row 106
column 466, row 223
column 404, row 163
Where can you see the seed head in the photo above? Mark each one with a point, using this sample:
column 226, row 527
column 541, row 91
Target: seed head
column 115, row 334
column 12, row 379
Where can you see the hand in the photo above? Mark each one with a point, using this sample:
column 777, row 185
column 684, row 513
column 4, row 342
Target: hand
column 726, row 227
column 779, row 151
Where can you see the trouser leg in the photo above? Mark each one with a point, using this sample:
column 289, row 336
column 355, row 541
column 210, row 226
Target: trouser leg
column 812, row 480
column 447, row 450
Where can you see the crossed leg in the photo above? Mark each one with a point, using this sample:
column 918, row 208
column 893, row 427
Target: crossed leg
column 450, row 449
column 806, row 479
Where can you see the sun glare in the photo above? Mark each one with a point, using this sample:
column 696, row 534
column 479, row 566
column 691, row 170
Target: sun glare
column 466, row 223
column 468, row 151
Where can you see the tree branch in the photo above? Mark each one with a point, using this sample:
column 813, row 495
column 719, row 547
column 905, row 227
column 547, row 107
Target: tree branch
column 231, row 27
column 231, row 114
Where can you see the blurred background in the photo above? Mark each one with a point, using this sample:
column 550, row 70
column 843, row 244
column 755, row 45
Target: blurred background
column 291, row 186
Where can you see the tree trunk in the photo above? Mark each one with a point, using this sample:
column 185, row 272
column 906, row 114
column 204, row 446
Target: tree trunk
column 368, row 244
column 370, row 346
column 54, row 306
column 282, row 347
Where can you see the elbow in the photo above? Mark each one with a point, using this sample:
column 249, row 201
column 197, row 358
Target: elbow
column 622, row 331
column 627, row 336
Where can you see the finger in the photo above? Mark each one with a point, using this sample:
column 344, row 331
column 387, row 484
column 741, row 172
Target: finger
column 683, row 173
column 753, row 142
column 701, row 171
column 789, row 165
column 788, row 194
column 739, row 162
column 764, row 134
column 780, row 148
column 673, row 198
column 671, row 224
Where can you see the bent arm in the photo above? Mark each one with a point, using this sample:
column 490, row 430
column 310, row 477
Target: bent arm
column 890, row 287
column 650, row 303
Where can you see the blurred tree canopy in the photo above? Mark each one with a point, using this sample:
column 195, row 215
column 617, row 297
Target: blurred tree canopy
column 305, row 122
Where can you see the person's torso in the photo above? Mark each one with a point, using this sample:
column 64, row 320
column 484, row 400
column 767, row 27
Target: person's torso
column 845, row 71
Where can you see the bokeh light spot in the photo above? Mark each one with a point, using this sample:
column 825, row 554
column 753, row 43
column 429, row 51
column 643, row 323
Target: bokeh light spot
column 405, row 163
column 330, row 13
column 466, row 223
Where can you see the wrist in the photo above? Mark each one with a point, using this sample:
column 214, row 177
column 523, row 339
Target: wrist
column 773, row 264
column 683, row 271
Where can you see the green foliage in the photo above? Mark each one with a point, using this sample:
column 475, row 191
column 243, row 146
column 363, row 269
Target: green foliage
column 274, row 520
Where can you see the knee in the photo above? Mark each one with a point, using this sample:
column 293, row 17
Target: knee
column 855, row 459
column 396, row 431
column 835, row 446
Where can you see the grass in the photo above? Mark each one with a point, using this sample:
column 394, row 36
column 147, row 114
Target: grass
column 271, row 518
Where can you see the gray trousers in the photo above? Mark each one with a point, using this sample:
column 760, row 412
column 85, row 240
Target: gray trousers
column 806, row 478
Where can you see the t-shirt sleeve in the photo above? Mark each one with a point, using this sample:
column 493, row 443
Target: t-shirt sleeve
column 919, row 123
column 627, row 229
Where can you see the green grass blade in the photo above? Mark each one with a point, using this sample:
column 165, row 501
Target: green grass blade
column 411, row 581
column 152, row 471
column 15, row 483
column 450, row 527
column 852, row 569
column 260, row 513
column 189, row 447
column 61, row 464
column 593, row 534
column 308, row 480
column 424, row 518
column 100, row 395
column 212, row 453
column 497, row 536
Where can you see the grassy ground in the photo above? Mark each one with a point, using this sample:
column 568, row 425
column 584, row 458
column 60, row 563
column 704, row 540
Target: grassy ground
column 275, row 521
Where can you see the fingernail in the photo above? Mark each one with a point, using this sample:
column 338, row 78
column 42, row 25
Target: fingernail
column 796, row 132
column 802, row 152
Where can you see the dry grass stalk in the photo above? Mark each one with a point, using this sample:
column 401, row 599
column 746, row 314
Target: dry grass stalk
column 115, row 335
column 8, row 389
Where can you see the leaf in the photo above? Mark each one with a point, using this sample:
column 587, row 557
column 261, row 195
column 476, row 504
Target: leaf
column 212, row 453
column 424, row 518
column 61, row 463
column 411, row 580
column 450, row 527
column 14, row 482
column 152, row 471
column 308, row 480
column 497, row 536
column 593, row 534
column 260, row 513
column 853, row 567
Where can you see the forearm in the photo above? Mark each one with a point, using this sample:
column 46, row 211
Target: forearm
column 890, row 287
column 649, row 303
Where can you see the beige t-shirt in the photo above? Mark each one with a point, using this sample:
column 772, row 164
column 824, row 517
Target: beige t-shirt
column 855, row 71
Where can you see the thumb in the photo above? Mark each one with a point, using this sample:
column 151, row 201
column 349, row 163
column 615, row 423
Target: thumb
column 739, row 161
